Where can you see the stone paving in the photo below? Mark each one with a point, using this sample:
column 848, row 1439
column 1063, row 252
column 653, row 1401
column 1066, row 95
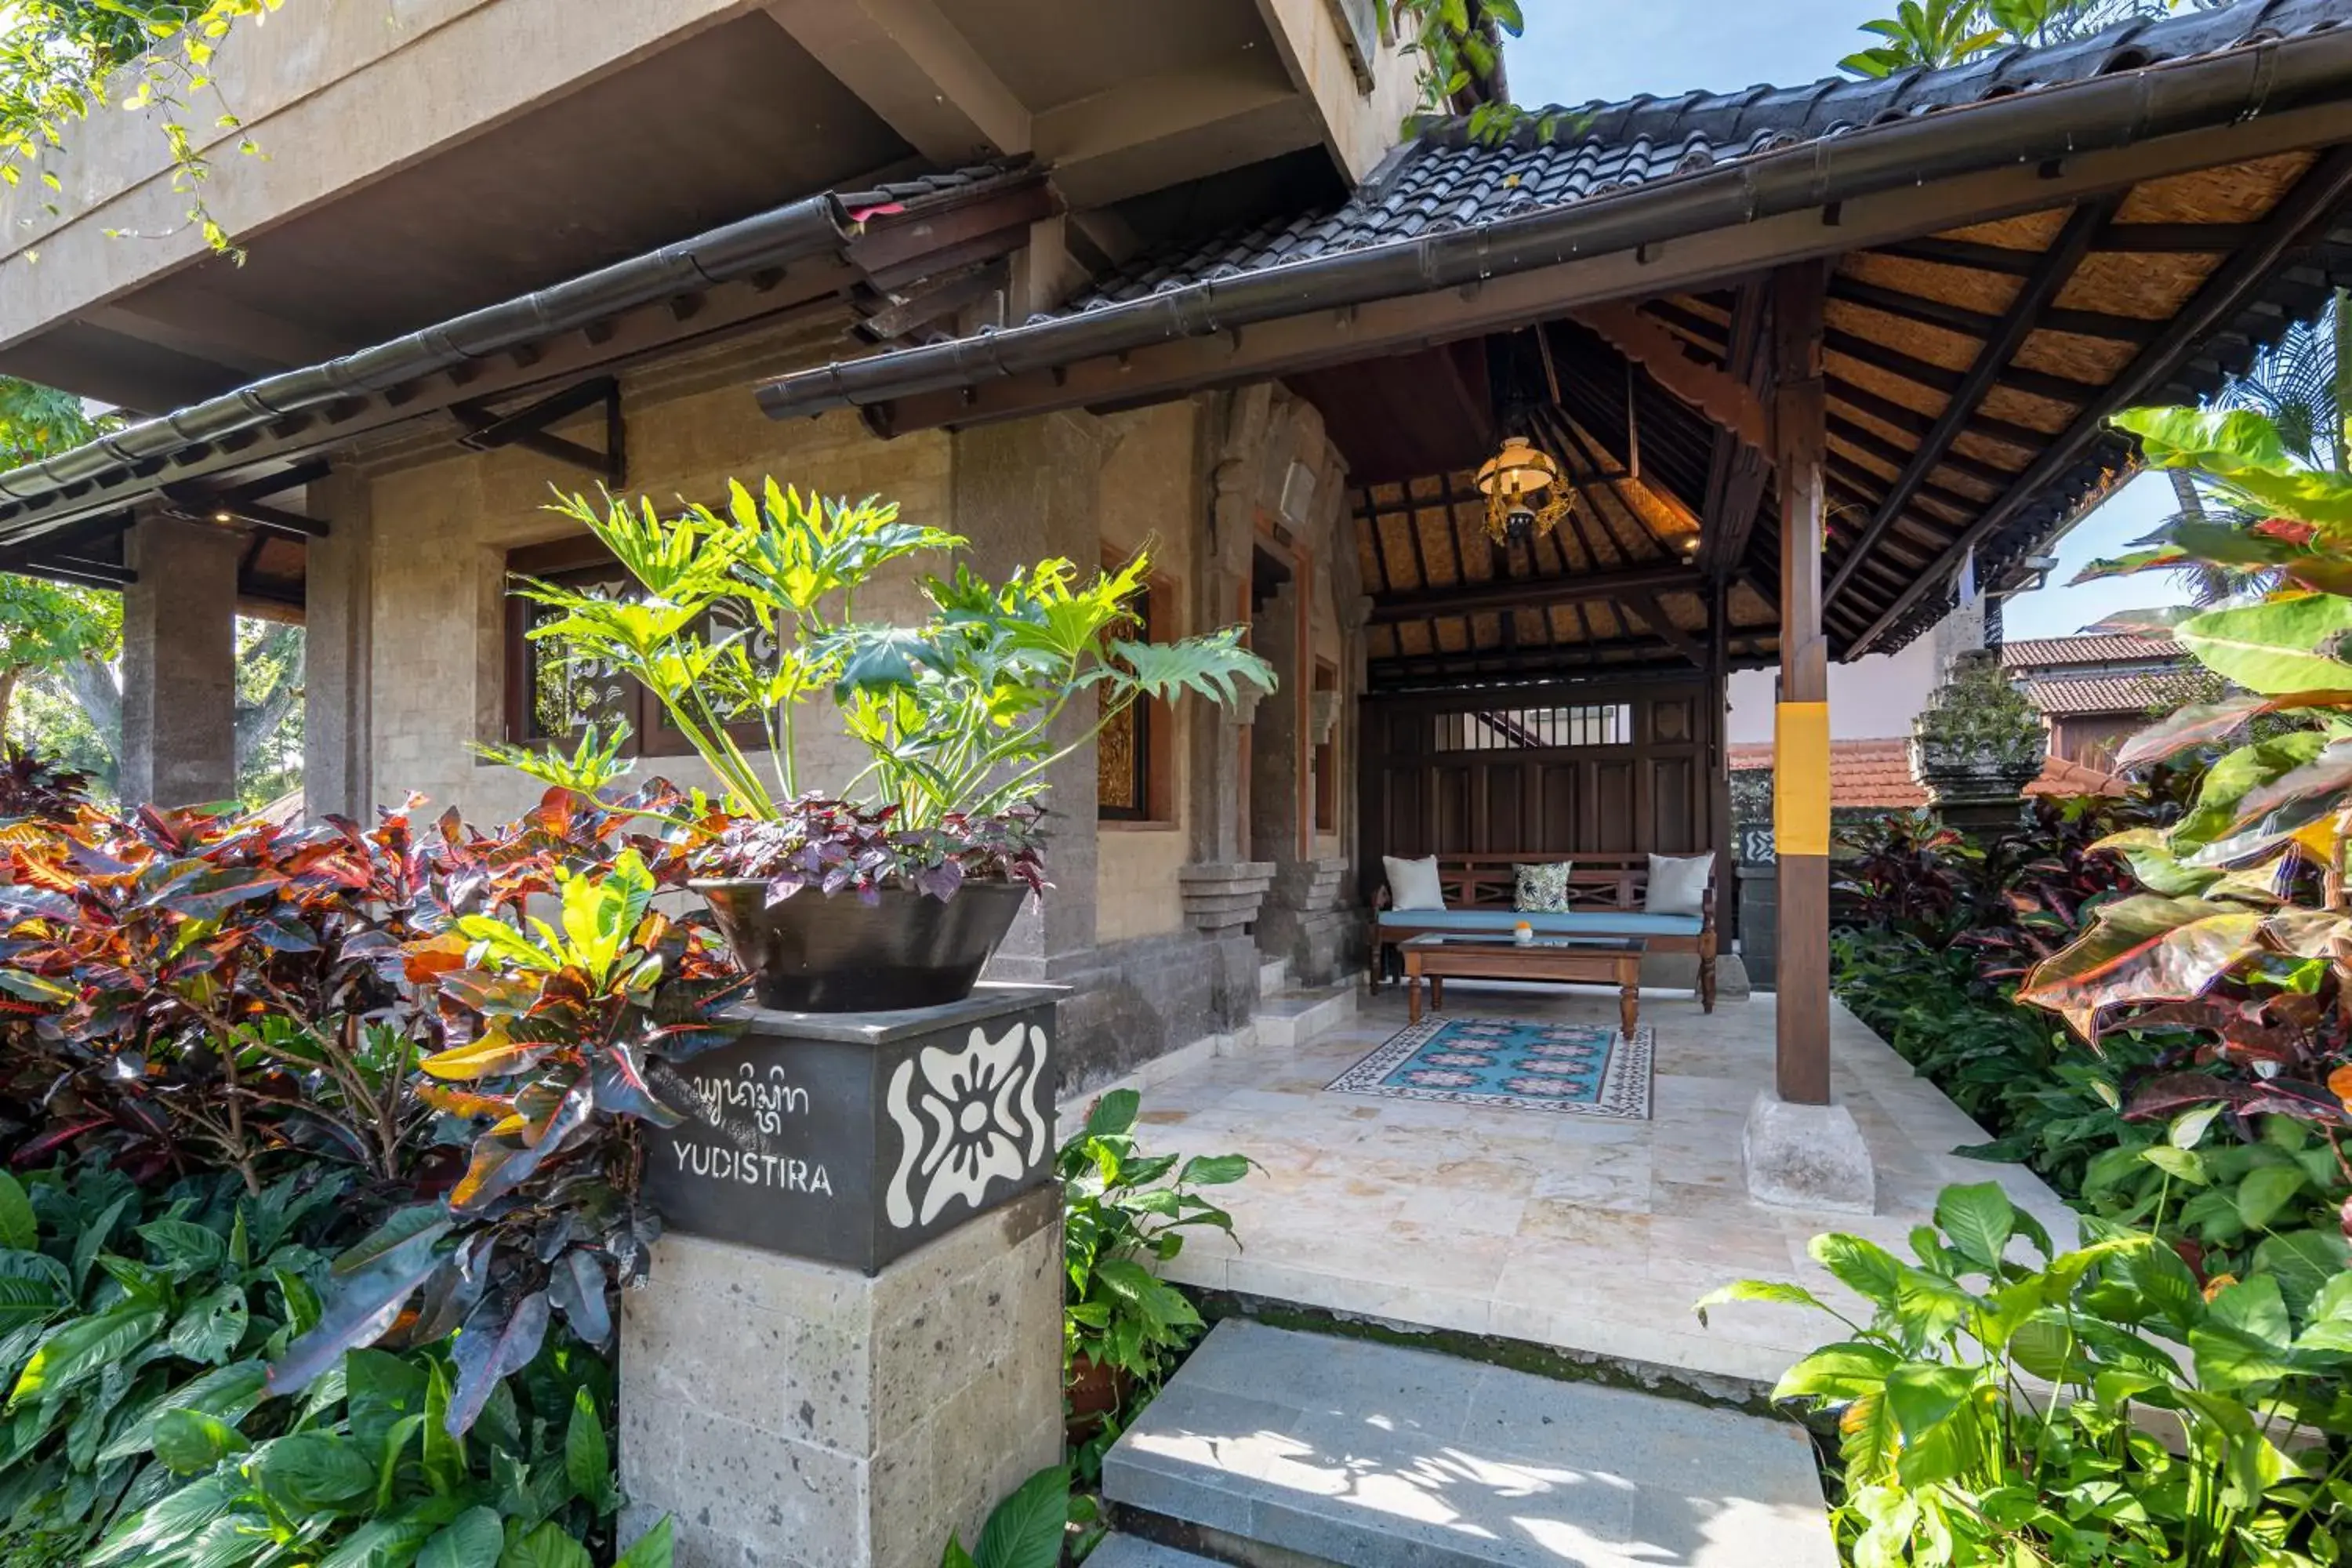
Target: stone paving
column 1582, row 1234
column 1377, row 1456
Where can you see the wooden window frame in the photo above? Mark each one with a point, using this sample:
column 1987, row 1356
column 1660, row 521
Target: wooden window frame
column 650, row 733
column 1155, row 737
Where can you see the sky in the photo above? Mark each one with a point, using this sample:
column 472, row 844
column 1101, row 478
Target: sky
column 1576, row 52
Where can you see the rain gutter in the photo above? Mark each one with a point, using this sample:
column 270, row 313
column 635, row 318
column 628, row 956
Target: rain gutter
column 816, row 226
column 2032, row 126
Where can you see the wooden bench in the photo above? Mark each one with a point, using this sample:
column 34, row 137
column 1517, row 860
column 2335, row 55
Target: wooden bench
column 1604, row 895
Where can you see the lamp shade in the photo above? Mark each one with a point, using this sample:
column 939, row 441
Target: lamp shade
column 1520, row 468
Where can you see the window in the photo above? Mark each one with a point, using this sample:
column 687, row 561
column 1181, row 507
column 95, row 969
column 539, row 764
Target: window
column 551, row 697
column 1536, row 729
column 1135, row 775
column 1123, row 751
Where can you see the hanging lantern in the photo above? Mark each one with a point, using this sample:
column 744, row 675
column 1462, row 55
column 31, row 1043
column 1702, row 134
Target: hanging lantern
column 1525, row 496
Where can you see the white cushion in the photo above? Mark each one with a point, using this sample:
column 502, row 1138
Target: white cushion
column 1677, row 884
column 1414, row 884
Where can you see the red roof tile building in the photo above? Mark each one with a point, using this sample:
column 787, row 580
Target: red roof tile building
column 1875, row 776
column 2095, row 690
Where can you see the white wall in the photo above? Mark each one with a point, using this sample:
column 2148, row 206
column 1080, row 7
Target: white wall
column 1871, row 699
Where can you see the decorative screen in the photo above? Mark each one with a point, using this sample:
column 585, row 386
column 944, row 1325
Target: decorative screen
column 1534, row 729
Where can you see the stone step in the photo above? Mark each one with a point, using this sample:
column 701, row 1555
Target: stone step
column 1272, row 978
column 1281, row 1447
column 1295, row 1017
column 1133, row 1551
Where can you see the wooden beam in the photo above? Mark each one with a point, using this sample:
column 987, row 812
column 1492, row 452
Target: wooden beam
column 1522, row 594
column 2178, row 238
column 1983, row 323
column 1616, row 653
column 1865, row 438
column 1973, row 255
column 2314, row 200
column 1911, row 421
column 1801, row 781
column 1944, row 379
column 1653, row 615
column 2074, row 241
column 1736, row 473
column 1723, row 399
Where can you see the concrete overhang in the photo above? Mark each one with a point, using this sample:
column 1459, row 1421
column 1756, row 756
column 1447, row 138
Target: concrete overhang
column 471, row 151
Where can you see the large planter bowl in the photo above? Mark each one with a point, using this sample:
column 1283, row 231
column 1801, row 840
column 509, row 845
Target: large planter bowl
column 837, row 953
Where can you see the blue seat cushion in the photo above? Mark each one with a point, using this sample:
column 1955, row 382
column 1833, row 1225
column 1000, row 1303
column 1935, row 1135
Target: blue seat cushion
column 1580, row 922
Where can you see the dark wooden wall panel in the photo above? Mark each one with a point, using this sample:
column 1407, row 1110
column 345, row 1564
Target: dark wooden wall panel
column 1653, row 790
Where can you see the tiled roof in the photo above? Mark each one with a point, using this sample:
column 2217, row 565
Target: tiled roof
column 2065, row 780
column 1442, row 180
column 1875, row 775
column 1864, row 775
column 2053, row 653
column 2107, row 694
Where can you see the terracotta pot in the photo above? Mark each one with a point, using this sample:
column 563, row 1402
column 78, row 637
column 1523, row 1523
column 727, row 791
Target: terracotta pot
column 1096, row 1391
column 837, row 953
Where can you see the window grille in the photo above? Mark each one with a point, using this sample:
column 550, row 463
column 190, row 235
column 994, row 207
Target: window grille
column 1536, row 729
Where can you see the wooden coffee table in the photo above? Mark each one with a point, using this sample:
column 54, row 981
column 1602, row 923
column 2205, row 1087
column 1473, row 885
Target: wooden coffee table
column 1565, row 960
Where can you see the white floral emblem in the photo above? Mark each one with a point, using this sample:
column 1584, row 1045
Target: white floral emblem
column 966, row 1119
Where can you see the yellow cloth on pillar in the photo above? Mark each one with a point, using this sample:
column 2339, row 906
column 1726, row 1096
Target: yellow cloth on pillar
column 1800, row 778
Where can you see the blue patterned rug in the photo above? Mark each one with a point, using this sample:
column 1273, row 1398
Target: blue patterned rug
column 1584, row 1070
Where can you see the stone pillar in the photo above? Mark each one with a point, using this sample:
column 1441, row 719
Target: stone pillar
column 178, row 745
column 1278, row 742
column 338, row 627
column 1027, row 492
column 850, row 1341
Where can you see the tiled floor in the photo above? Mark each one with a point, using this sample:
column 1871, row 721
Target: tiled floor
column 1589, row 1234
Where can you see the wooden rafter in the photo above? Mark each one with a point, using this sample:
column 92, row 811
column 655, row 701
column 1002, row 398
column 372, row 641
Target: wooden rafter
column 2082, row 230
column 1653, row 615
column 1984, row 323
column 1737, row 474
column 1941, row 378
column 1911, row 421
column 1724, row 400
column 2221, row 296
column 1530, row 593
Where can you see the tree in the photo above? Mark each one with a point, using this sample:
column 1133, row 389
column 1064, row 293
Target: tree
column 1947, row 32
column 44, row 628
column 61, row 58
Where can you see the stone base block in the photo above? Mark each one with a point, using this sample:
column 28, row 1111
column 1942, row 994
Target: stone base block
column 1223, row 897
column 797, row 1414
column 1807, row 1156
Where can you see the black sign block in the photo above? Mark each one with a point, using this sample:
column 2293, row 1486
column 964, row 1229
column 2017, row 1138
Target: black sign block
column 853, row 1138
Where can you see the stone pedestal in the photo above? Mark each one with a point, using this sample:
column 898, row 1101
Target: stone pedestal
column 798, row 1414
column 1224, row 897
column 1301, row 921
column 851, row 1341
column 1807, row 1156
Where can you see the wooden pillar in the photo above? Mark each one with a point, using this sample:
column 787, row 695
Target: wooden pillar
column 1801, row 763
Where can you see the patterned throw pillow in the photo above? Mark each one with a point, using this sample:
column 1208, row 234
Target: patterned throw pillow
column 1541, row 890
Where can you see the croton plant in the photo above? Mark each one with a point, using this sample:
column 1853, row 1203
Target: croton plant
column 474, row 1023
column 2240, row 939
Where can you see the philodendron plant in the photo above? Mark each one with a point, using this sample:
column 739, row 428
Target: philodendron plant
column 745, row 617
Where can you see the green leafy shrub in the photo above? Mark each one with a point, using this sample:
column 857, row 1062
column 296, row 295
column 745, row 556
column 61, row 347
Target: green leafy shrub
column 1026, row 1530
column 740, row 619
column 139, row 1425
column 1122, row 1211
column 2196, row 1427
